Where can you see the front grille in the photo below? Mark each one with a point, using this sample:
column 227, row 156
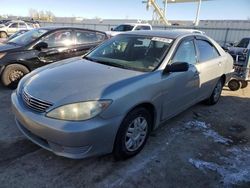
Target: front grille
column 34, row 103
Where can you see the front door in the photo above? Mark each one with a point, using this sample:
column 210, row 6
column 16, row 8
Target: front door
column 59, row 47
column 13, row 28
column 180, row 88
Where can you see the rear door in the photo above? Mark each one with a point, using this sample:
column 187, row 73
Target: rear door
column 86, row 40
column 210, row 66
column 180, row 88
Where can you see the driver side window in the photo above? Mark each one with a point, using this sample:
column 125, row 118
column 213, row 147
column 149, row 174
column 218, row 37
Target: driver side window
column 59, row 39
column 185, row 53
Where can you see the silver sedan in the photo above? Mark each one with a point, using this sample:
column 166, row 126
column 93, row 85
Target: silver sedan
column 113, row 97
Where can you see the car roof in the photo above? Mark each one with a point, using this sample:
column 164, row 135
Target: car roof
column 189, row 30
column 65, row 27
column 136, row 24
column 159, row 33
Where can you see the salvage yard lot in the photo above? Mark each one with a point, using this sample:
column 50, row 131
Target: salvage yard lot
column 205, row 146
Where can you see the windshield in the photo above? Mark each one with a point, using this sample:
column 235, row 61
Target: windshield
column 17, row 34
column 28, row 37
column 243, row 43
column 141, row 53
column 123, row 28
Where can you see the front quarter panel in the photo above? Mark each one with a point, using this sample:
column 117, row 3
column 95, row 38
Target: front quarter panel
column 132, row 92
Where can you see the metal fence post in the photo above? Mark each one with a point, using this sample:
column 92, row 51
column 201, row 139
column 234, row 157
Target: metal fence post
column 225, row 39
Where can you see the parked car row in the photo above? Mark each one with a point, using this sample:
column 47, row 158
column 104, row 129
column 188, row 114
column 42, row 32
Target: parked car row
column 42, row 46
column 8, row 28
column 114, row 96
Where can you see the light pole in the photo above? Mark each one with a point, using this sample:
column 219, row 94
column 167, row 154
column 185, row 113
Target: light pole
column 196, row 23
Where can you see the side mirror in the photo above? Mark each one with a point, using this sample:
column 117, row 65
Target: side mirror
column 40, row 46
column 177, row 67
column 112, row 29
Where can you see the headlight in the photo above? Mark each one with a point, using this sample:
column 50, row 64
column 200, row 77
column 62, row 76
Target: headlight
column 79, row 111
column 2, row 55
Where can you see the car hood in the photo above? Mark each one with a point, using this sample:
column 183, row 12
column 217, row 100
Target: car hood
column 236, row 50
column 8, row 47
column 77, row 80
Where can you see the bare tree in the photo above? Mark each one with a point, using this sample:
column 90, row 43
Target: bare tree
column 41, row 15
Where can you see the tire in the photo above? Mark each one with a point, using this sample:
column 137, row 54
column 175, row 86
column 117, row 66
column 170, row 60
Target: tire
column 244, row 84
column 125, row 145
column 234, row 85
column 12, row 74
column 215, row 96
column 3, row 34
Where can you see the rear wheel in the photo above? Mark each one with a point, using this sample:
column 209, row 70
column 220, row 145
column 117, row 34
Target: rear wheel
column 12, row 74
column 132, row 134
column 215, row 96
column 3, row 35
column 244, row 84
column 234, row 85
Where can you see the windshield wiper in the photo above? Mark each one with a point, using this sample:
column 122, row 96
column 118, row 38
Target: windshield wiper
column 89, row 58
column 114, row 64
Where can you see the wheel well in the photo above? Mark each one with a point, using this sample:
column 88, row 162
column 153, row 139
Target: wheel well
column 223, row 79
column 3, row 32
column 17, row 63
column 150, row 107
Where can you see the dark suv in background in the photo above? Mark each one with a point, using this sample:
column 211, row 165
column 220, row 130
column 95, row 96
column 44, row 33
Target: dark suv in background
column 239, row 49
column 43, row 46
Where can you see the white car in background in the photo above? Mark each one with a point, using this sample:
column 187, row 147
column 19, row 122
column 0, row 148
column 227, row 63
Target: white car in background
column 12, row 27
column 128, row 27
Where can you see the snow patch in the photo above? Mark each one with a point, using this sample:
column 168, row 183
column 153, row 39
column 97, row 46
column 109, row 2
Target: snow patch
column 216, row 137
column 207, row 131
column 235, row 168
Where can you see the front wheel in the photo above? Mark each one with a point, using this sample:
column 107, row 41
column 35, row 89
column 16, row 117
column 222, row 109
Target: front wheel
column 215, row 96
column 12, row 74
column 132, row 134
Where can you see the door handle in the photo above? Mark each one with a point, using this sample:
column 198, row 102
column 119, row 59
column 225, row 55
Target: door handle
column 196, row 73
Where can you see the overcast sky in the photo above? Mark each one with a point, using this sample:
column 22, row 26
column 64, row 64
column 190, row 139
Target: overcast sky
column 132, row 9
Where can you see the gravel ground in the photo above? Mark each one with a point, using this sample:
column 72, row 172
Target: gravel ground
column 205, row 146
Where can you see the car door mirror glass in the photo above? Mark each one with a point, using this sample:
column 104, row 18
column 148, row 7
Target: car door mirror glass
column 112, row 29
column 41, row 45
column 177, row 67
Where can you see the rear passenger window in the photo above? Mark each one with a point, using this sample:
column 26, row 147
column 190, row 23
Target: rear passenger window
column 206, row 50
column 84, row 37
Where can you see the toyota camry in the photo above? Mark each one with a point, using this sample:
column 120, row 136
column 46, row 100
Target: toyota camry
column 111, row 99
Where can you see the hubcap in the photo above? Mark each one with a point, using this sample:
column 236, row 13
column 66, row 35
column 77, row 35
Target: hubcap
column 16, row 75
column 217, row 91
column 136, row 133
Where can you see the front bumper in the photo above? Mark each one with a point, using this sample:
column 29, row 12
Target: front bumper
column 229, row 76
column 1, row 68
column 66, row 138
